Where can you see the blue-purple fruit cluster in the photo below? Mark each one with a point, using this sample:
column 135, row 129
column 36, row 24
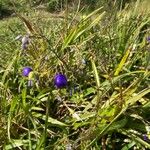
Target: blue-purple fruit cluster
column 60, row 80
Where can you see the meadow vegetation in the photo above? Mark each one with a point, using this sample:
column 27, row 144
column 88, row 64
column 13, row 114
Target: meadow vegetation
column 103, row 49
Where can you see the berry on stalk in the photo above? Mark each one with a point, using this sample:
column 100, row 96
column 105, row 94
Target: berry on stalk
column 26, row 71
column 60, row 80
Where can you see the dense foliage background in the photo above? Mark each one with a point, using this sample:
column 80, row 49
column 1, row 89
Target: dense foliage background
column 102, row 47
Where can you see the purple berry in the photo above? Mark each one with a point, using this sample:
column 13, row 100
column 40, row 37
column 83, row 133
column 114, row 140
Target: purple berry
column 26, row 71
column 148, row 39
column 145, row 137
column 24, row 46
column 60, row 81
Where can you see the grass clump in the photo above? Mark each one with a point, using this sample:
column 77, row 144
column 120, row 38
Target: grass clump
column 105, row 104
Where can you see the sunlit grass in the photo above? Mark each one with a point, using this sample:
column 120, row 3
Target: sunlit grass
column 106, row 61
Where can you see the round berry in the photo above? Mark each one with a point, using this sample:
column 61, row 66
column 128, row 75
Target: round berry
column 60, row 81
column 26, row 71
column 145, row 137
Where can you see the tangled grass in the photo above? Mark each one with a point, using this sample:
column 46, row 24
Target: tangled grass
column 106, row 102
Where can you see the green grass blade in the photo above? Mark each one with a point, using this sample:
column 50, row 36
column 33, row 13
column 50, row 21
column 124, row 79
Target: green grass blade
column 139, row 95
column 14, row 102
column 122, row 62
column 135, row 138
column 50, row 120
column 15, row 144
column 95, row 73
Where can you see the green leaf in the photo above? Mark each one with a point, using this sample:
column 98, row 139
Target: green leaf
column 95, row 73
column 9, row 67
column 16, row 144
column 122, row 62
column 89, row 91
column 134, row 99
column 81, row 28
column 37, row 108
column 24, row 94
column 128, row 146
column 118, row 124
column 11, row 111
column 135, row 138
column 50, row 120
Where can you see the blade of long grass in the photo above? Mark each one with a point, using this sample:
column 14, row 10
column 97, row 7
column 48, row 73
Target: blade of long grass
column 50, row 120
column 122, row 62
column 26, row 22
column 89, row 26
column 81, row 28
column 95, row 73
column 9, row 67
column 16, row 144
column 24, row 95
column 134, row 99
column 134, row 138
column 11, row 111
column 131, row 101
column 105, row 128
